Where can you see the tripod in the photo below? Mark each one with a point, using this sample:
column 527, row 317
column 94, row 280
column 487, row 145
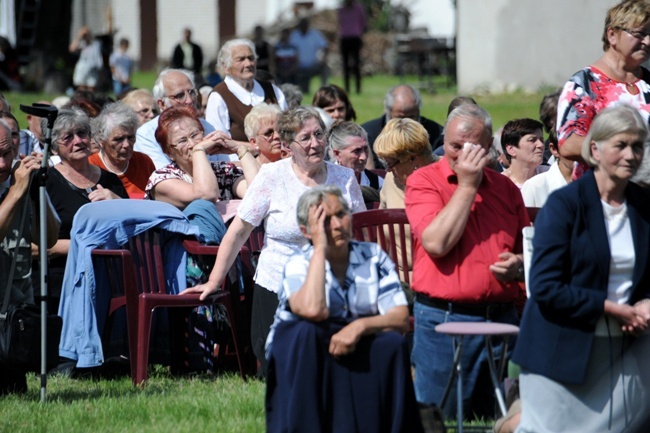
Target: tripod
column 50, row 113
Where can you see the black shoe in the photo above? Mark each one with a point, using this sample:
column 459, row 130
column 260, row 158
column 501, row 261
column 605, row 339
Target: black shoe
column 65, row 367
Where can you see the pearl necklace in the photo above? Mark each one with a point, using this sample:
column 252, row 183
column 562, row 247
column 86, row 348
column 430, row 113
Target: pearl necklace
column 117, row 172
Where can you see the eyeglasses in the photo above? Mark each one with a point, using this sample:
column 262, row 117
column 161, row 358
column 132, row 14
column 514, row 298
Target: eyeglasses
column 637, row 34
column 392, row 164
column 145, row 111
column 69, row 137
column 180, row 96
column 194, row 137
column 306, row 139
column 268, row 135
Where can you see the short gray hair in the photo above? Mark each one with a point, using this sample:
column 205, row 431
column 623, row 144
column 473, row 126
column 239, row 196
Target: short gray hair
column 159, row 85
column 474, row 112
column 259, row 113
column 291, row 121
column 339, row 133
column 115, row 114
column 315, row 196
column 389, row 99
column 610, row 122
column 292, row 94
column 225, row 53
column 66, row 120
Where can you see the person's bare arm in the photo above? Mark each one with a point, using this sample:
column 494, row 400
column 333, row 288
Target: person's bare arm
column 310, row 301
column 572, row 147
column 446, row 229
column 345, row 341
column 238, row 231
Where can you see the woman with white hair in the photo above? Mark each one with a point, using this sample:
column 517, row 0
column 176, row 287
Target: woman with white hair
column 239, row 92
column 114, row 132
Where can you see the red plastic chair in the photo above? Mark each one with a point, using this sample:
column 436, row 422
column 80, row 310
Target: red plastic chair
column 143, row 280
column 390, row 229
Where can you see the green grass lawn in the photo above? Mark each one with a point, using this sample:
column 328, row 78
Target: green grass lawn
column 369, row 104
column 167, row 404
column 203, row 403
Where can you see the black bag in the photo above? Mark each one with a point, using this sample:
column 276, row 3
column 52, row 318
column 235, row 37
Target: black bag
column 20, row 326
column 20, row 337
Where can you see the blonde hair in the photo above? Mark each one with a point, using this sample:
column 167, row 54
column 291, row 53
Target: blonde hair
column 402, row 138
column 626, row 14
column 259, row 113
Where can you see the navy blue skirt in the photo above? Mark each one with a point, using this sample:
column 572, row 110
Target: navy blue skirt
column 308, row 390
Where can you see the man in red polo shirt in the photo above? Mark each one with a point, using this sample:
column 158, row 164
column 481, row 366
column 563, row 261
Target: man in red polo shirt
column 466, row 220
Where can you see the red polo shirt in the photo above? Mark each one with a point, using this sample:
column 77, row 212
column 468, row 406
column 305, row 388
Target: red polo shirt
column 494, row 226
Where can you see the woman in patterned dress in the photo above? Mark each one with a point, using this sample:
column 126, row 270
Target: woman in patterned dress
column 616, row 77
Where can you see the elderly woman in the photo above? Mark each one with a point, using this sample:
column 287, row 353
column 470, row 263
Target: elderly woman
column 348, row 143
column 234, row 97
column 523, row 145
column 114, row 132
column 191, row 176
column 73, row 183
column 580, row 345
column 143, row 103
column 271, row 200
column 261, row 127
column 617, row 76
column 338, row 301
column 335, row 102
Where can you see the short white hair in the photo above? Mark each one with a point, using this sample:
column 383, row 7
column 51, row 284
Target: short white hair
column 159, row 86
column 225, row 54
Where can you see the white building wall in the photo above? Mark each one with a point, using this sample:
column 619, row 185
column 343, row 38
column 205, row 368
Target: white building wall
column 126, row 23
column 503, row 45
column 251, row 13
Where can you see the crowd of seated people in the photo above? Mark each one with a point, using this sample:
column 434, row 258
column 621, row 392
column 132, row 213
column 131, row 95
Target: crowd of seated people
column 252, row 158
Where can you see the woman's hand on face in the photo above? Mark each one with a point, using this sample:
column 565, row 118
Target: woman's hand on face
column 102, row 193
column 317, row 226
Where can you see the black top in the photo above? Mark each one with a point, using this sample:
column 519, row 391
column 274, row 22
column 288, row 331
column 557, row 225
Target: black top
column 67, row 198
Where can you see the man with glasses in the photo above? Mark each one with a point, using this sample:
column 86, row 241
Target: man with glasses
column 234, row 97
column 173, row 88
column 401, row 101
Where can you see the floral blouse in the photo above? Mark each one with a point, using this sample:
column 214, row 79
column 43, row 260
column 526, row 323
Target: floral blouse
column 588, row 93
column 227, row 174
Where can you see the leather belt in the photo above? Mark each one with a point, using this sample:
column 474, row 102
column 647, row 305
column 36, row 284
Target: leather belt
column 490, row 310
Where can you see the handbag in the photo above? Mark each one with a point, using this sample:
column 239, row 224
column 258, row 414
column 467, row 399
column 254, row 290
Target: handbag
column 20, row 327
column 20, row 337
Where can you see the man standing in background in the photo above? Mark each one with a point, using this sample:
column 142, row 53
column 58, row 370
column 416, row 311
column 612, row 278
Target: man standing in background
column 352, row 25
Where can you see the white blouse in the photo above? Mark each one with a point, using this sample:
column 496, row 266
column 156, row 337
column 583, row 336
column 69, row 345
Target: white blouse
column 272, row 198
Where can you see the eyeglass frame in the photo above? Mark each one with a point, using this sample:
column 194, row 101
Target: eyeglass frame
column 68, row 137
column 636, row 34
column 180, row 96
column 307, row 140
column 189, row 138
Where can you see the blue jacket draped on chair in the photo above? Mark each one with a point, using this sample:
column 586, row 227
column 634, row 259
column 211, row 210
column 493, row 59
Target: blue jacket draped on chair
column 110, row 224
